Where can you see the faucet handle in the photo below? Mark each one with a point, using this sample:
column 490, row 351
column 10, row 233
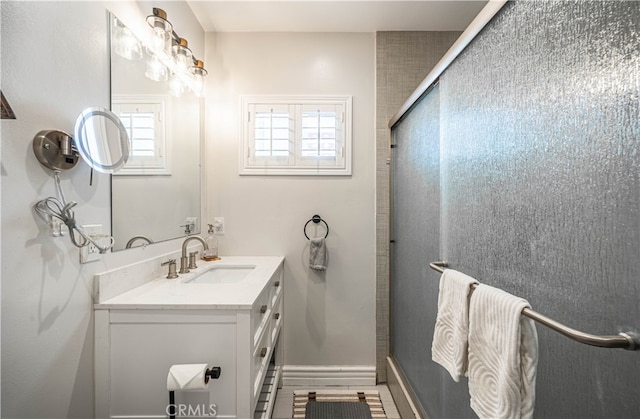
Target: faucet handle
column 192, row 260
column 172, row 268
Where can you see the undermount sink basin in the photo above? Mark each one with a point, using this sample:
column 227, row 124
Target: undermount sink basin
column 222, row 275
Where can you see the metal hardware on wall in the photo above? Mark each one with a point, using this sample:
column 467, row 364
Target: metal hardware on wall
column 55, row 150
column 317, row 220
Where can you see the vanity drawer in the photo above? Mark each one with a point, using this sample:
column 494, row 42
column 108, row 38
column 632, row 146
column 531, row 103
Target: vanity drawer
column 260, row 314
column 276, row 319
column 260, row 362
column 275, row 287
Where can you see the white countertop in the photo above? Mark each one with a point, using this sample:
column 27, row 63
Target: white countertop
column 175, row 293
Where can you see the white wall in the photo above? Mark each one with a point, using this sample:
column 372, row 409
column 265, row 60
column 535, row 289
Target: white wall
column 54, row 64
column 330, row 317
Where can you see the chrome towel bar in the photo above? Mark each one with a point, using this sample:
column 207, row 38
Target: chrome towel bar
column 629, row 340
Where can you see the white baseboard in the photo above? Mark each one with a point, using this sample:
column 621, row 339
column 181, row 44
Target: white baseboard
column 329, row 375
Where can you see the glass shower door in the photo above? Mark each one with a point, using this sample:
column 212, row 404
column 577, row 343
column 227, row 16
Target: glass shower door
column 416, row 241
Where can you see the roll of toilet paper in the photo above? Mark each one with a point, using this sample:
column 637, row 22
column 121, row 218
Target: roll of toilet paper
column 184, row 377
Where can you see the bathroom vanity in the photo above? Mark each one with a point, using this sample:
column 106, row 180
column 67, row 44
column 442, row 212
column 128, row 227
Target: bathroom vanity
column 226, row 313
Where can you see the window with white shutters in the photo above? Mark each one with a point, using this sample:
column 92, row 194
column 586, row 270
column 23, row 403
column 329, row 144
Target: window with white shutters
column 296, row 135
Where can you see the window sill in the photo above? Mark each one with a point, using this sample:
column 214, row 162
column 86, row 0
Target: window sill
column 291, row 171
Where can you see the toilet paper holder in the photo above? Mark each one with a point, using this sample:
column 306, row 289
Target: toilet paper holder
column 214, row 373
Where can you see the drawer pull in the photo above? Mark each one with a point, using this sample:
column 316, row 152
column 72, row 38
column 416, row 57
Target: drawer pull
column 263, row 352
column 276, row 284
column 276, row 316
column 263, row 309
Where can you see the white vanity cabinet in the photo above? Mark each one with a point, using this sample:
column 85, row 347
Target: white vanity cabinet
column 137, row 341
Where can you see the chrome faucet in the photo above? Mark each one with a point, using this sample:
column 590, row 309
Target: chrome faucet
column 183, row 259
column 135, row 238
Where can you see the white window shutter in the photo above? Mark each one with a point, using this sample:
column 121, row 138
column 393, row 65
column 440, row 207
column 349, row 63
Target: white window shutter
column 296, row 135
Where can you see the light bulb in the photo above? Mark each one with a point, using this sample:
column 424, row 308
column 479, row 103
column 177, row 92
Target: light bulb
column 183, row 56
column 198, row 74
column 124, row 42
column 176, row 86
column 162, row 30
column 156, row 70
column 128, row 46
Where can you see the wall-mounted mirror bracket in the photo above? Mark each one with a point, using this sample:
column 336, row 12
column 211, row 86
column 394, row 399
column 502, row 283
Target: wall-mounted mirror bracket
column 55, row 150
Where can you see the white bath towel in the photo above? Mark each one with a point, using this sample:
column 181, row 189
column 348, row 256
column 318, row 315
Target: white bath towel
column 449, row 346
column 318, row 254
column 503, row 355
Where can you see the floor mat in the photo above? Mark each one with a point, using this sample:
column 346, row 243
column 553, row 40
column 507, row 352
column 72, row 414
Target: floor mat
column 322, row 398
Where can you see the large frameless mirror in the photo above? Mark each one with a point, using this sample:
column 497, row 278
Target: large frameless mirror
column 156, row 194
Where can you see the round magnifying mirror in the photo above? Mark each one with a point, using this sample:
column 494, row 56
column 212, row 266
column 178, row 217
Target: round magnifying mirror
column 102, row 140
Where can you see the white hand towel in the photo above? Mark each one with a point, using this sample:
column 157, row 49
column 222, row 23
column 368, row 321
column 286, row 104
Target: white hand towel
column 449, row 346
column 503, row 355
column 318, row 254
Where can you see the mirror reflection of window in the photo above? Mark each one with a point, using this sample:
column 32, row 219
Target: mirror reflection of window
column 143, row 118
column 141, row 128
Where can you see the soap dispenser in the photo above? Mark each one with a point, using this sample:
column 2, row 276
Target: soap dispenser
column 212, row 243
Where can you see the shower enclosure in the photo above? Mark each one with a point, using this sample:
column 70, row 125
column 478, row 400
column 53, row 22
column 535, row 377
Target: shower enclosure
column 521, row 168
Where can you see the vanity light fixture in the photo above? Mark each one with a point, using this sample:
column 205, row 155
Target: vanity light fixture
column 171, row 53
column 198, row 71
column 162, row 38
column 182, row 54
column 126, row 44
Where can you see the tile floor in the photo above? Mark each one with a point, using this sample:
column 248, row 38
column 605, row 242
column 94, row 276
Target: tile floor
column 283, row 408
